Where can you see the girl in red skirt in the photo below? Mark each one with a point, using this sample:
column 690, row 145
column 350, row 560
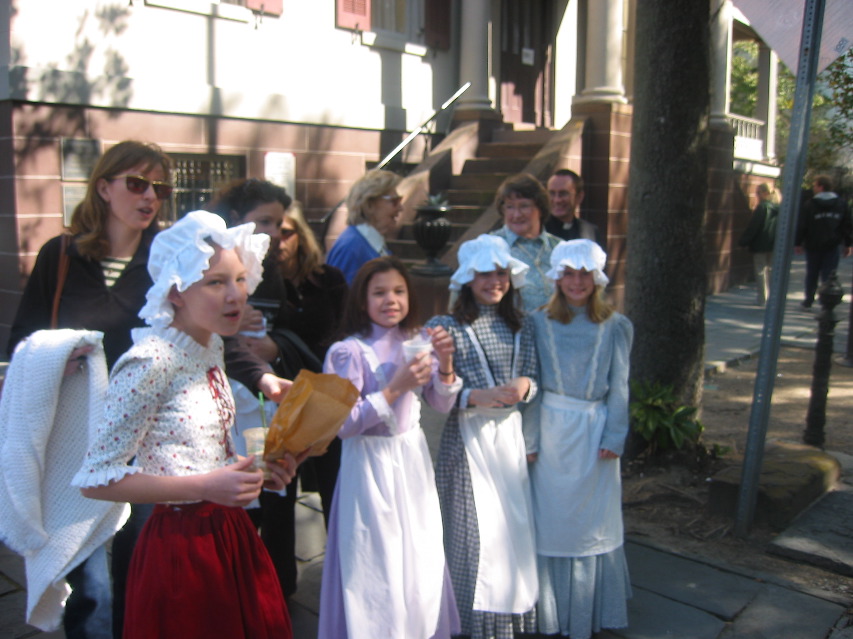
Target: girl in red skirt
column 199, row 568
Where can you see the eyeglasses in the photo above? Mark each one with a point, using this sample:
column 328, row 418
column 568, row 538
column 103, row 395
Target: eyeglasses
column 525, row 208
column 139, row 185
column 286, row 234
column 394, row 199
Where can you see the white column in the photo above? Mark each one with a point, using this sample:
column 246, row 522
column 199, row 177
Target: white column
column 603, row 64
column 474, row 55
column 721, row 60
column 765, row 108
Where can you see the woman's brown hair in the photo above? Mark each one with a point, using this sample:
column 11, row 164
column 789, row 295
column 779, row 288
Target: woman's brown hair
column 355, row 320
column 89, row 219
column 309, row 257
column 524, row 185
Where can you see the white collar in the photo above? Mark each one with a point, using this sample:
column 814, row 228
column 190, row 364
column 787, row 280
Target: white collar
column 373, row 237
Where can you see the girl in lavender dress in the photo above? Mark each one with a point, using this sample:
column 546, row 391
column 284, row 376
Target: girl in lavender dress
column 384, row 573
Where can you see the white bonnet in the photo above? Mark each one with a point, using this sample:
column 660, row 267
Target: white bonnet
column 483, row 255
column 180, row 254
column 580, row 255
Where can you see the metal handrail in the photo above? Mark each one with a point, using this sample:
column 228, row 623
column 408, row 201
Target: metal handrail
column 416, row 132
column 408, row 139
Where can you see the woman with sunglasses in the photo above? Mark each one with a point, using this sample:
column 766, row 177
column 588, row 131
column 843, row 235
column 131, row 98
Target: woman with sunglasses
column 107, row 279
column 374, row 212
column 287, row 325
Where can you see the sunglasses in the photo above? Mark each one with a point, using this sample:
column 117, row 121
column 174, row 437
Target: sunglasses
column 139, row 185
column 394, row 199
column 286, row 234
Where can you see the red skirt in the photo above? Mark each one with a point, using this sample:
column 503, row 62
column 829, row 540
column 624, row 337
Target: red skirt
column 200, row 570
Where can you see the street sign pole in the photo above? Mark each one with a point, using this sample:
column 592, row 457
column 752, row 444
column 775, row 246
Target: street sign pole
column 792, row 176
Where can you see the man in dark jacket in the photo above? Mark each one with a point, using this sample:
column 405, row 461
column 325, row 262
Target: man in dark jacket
column 565, row 192
column 759, row 237
column 824, row 226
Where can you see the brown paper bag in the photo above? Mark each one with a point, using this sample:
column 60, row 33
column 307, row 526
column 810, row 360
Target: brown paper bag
column 310, row 415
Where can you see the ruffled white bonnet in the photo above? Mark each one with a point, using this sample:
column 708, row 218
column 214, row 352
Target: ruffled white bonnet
column 483, row 255
column 579, row 254
column 180, row 254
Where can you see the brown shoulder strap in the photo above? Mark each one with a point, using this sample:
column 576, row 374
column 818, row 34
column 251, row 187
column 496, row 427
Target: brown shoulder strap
column 61, row 274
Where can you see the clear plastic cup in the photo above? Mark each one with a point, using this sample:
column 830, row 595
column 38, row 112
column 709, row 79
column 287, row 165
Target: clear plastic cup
column 413, row 347
column 255, row 441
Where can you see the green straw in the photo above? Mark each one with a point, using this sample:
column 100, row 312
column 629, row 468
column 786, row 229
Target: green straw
column 263, row 410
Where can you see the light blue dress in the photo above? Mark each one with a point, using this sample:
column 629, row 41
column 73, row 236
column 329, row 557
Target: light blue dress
column 577, row 497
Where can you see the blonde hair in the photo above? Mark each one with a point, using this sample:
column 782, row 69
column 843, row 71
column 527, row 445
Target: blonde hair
column 371, row 185
column 597, row 309
column 769, row 193
column 309, row 257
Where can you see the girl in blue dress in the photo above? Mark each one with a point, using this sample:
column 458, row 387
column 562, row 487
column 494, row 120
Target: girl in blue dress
column 575, row 439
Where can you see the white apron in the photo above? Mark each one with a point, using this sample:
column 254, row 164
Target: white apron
column 577, row 497
column 392, row 562
column 494, row 446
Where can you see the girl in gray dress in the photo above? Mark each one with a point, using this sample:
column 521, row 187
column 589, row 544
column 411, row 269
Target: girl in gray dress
column 481, row 469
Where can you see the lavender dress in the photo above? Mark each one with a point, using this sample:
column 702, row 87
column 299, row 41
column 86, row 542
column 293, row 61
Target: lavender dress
column 385, row 573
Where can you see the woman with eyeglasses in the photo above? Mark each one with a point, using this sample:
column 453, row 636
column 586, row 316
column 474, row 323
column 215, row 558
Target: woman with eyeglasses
column 522, row 202
column 288, row 325
column 374, row 212
column 107, row 279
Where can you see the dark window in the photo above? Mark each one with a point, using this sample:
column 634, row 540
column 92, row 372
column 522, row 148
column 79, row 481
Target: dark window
column 198, row 177
column 437, row 24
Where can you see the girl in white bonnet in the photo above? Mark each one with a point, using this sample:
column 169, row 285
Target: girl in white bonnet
column 199, row 568
column 481, row 470
column 574, row 445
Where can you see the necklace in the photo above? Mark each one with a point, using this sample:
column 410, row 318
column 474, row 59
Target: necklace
column 535, row 260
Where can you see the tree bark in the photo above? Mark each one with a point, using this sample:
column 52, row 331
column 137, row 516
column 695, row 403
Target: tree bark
column 666, row 270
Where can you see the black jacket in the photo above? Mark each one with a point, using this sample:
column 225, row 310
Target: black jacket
column 86, row 302
column 302, row 326
column 824, row 223
column 581, row 229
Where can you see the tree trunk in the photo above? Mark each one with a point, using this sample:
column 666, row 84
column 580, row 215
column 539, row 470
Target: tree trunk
column 666, row 271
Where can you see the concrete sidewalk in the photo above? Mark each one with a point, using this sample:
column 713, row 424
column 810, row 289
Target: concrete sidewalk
column 675, row 596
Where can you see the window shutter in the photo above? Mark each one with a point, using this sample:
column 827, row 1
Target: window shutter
column 437, row 24
column 268, row 7
column 352, row 14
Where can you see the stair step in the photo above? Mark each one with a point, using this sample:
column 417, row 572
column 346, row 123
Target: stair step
column 540, row 136
column 494, row 165
column 456, row 230
column 508, row 149
column 465, row 214
column 465, row 197
column 407, row 249
column 478, row 181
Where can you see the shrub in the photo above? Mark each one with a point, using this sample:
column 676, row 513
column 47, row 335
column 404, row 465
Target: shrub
column 658, row 418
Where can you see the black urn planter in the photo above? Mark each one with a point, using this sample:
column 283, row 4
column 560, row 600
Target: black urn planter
column 431, row 230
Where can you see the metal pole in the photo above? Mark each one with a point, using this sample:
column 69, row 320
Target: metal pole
column 847, row 359
column 774, row 313
column 830, row 297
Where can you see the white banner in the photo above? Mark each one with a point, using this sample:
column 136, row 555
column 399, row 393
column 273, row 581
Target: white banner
column 780, row 25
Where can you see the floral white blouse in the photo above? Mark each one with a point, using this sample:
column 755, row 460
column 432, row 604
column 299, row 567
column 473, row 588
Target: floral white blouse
column 168, row 405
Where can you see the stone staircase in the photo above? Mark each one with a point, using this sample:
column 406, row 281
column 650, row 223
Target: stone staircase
column 472, row 191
